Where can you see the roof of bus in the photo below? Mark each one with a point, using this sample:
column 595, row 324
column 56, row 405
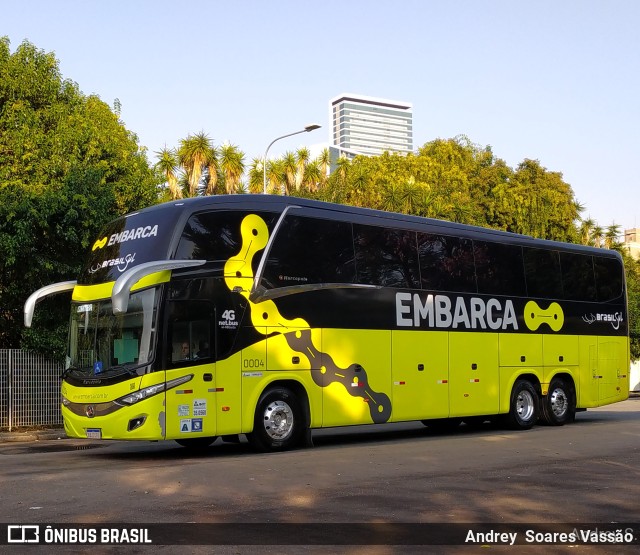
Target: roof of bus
column 278, row 203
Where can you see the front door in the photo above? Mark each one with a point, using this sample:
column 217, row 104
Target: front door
column 190, row 348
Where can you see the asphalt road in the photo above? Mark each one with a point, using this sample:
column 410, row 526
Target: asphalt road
column 587, row 472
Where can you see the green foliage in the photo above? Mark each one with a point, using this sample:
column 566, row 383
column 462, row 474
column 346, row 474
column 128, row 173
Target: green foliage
column 67, row 166
column 456, row 180
column 632, row 268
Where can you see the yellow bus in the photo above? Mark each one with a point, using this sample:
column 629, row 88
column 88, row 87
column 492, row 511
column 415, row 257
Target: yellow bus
column 271, row 316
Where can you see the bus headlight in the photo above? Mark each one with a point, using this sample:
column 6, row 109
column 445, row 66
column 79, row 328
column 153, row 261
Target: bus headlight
column 152, row 390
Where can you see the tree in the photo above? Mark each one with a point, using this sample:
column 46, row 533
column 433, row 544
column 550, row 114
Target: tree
column 167, row 165
column 256, row 176
column 547, row 207
column 632, row 268
column 213, row 166
column 586, row 231
column 194, row 154
column 612, row 237
column 231, row 166
column 67, row 166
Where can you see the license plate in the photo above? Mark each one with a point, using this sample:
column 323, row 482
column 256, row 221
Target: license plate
column 94, row 433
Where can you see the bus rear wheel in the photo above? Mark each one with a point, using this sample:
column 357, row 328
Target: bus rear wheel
column 523, row 406
column 278, row 423
column 559, row 405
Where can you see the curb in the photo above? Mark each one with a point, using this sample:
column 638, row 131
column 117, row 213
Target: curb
column 33, row 435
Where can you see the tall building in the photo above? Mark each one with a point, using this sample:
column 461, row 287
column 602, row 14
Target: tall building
column 632, row 242
column 370, row 126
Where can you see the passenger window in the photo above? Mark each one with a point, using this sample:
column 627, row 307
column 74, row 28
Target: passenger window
column 386, row 257
column 310, row 251
column 499, row 268
column 578, row 280
column 542, row 272
column 446, row 263
column 609, row 279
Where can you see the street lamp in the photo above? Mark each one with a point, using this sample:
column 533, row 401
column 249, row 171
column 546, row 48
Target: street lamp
column 307, row 128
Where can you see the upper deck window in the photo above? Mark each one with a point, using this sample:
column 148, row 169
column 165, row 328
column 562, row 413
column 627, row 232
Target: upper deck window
column 499, row 268
column 446, row 263
column 215, row 235
column 543, row 275
column 386, row 257
column 609, row 278
column 310, row 251
column 578, row 279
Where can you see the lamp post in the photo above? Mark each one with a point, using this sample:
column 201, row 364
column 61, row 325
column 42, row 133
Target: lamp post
column 307, row 128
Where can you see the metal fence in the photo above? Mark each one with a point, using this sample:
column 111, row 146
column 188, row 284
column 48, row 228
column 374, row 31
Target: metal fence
column 29, row 390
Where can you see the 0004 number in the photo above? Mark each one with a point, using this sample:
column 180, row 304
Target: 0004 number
column 253, row 363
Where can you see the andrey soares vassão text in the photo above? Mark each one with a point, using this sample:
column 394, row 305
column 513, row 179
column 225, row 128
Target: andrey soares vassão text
column 574, row 536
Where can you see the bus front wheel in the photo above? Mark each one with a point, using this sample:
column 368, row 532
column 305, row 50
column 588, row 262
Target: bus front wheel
column 278, row 424
column 559, row 405
column 523, row 407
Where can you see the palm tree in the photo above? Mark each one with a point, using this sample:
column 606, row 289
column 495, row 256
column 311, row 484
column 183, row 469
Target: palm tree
column 325, row 164
column 312, row 176
column 290, row 166
column 391, row 197
column 212, row 172
column 276, row 176
column 232, row 166
column 598, row 236
column 303, row 157
column 343, row 164
column 586, row 231
column 168, row 165
column 194, row 154
column 256, row 176
column 611, row 237
column 411, row 195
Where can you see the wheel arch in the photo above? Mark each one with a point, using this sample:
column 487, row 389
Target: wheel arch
column 294, row 385
column 505, row 397
column 564, row 374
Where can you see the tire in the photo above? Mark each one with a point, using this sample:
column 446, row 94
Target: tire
column 279, row 423
column 523, row 406
column 196, row 443
column 559, row 405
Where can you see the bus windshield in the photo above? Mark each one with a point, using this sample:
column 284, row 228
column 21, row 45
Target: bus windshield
column 102, row 343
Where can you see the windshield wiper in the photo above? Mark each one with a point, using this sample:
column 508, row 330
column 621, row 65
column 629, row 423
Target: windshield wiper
column 122, row 369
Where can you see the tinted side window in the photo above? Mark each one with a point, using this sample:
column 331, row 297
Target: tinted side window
column 542, row 271
column 499, row 268
column 309, row 251
column 578, row 279
column 608, row 278
column 215, row 235
column 446, row 263
column 386, row 257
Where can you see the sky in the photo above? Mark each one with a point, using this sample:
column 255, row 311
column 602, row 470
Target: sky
column 552, row 80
